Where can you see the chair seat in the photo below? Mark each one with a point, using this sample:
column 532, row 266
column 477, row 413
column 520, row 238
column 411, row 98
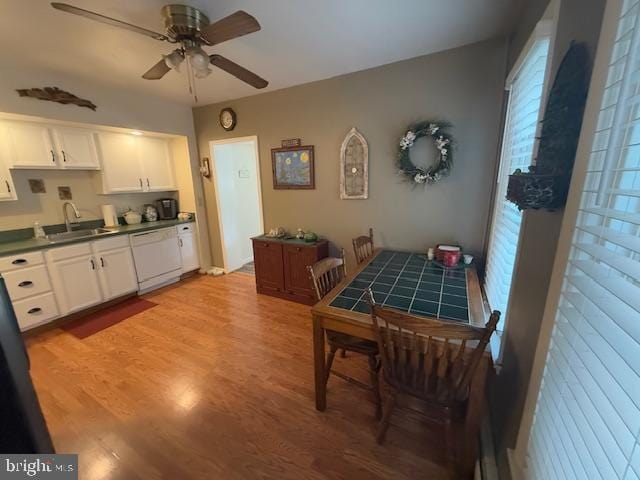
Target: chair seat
column 351, row 343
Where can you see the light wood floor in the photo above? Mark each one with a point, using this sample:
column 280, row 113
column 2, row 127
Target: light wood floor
column 216, row 382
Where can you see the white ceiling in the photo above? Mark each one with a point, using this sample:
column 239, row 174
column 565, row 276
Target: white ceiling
column 300, row 41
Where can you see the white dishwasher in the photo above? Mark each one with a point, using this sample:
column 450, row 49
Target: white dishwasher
column 157, row 258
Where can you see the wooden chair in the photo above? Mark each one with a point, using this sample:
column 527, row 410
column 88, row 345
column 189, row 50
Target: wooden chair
column 325, row 275
column 428, row 359
column 363, row 246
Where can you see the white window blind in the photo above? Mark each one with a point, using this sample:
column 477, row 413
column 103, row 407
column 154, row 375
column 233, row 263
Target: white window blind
column 521, row 124
column 587, row 419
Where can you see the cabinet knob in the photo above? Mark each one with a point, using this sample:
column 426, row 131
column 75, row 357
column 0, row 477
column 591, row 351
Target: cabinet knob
column 26, row 283
column 34, row 310
column 265, row 244
column 298, row 249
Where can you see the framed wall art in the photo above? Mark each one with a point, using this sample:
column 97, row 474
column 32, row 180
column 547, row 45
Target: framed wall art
column 293, row 168
column 354, row 167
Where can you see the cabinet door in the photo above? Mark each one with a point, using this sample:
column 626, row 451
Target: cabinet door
column 296, row 275
column 7, row 189
column 75, row 282
column 188, row 252
column 157, row 167
column 30, row 145
column 117, row 273
column 76, row 147
column 267, row 257
column 121, row 170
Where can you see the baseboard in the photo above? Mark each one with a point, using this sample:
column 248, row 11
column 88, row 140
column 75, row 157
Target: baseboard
column 487, row 467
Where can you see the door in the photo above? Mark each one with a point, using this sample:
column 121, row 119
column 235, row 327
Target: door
column 117, row 273
column 30, row 145
column 296, row 275
column 236, row 174
column 188, row 251
column 7, row 189
column 268, row 266
column 157, row 168
column 120, row 164
column 75, row 281
column 76, row 147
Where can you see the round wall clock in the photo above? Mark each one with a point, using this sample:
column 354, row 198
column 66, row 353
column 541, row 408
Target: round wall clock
column 227, row 119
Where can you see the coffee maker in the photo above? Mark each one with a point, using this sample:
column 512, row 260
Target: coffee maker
column 167, row 208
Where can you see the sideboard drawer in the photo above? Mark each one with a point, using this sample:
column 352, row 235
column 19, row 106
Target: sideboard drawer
column 20, row 260
column 27, row 282
column 35, row 310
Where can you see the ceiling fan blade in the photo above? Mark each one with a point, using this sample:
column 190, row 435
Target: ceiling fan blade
column 235, row 25
column 156, row 72
column 238, row 71
column 108, row 20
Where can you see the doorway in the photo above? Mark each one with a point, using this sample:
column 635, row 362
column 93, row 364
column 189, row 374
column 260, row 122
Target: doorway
column 236, row 173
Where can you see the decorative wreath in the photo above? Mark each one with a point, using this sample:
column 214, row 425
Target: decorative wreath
column 443, row 143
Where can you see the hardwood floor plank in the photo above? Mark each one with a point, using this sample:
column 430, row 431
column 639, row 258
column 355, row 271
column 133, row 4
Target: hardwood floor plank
column 217, row 382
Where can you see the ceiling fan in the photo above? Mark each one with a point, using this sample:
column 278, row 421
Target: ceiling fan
column 190, row 29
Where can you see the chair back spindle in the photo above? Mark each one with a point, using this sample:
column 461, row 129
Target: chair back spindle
column 363, row 246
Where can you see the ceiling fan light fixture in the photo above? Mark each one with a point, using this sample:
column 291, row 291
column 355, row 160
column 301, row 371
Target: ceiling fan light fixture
column 173, row 60
column 198, row 58
column 202, row 73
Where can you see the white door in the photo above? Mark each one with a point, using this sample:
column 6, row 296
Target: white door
column 30, row 145
column 237, row 178
column 76, row 147
column 188, row 252
column 75, row 281
column 156, row 163
column 120, row 164
column 117, row 273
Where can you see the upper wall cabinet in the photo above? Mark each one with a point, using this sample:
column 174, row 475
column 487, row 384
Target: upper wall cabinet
column 42, row 146
column 135, row 164
column 7, row 190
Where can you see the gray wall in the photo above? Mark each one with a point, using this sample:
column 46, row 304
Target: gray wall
column 580, row 21
column 463, row 86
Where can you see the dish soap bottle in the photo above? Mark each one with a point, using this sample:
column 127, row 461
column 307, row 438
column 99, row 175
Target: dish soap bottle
column 38, row 231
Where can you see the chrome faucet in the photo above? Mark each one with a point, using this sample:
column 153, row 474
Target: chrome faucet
column 66, row 217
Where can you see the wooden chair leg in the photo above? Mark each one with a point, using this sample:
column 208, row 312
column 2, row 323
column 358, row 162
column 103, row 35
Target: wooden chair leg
column 386, row 417
column 374, row 369
column 330, row 356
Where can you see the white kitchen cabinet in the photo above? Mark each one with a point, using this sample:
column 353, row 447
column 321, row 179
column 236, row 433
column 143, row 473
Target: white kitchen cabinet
column 116, row 270
column 188, row 247
column 135, row 164
column 76, row 148
column 73, row 271
column 29, row 145
column 121, row 170
column 156, row 164
column 7, row 189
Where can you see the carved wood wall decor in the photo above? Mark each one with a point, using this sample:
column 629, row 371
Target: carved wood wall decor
column 354, row 166
column 54, row 94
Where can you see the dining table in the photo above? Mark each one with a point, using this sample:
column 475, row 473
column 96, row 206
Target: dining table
column 409, row 282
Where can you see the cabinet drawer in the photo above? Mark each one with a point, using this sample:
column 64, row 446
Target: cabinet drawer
column 121, row 241
column 35, row 310
column 27, row 282
column 20, row 260
column 62, row 253
column 185, row 228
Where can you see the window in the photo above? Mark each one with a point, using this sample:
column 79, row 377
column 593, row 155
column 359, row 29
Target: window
column 587, row 417
column 526, row 87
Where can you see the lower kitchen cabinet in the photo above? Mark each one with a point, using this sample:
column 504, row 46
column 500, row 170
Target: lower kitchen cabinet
column 188, row 247
column 281, row 267
column 116, row 270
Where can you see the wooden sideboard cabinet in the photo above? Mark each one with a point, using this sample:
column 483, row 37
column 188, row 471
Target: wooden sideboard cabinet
column 281, row 267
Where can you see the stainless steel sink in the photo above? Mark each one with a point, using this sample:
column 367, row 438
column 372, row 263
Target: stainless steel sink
column 76, row 234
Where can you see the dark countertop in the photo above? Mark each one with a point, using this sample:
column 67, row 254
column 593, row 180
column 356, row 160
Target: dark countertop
column 32, row 244
column 292, row 241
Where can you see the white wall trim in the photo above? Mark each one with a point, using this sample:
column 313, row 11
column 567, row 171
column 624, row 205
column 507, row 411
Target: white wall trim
column 544, row 28
column 253, row 139
column 594, row 100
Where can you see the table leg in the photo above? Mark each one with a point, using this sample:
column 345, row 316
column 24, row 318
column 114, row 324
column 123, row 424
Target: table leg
column 471, row 437
column 318, row 363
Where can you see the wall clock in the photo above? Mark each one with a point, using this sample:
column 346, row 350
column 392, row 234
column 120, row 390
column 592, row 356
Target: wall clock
column 354, row 167
column 227, row 119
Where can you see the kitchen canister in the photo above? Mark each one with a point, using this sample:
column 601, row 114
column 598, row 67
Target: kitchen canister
column 109, row 215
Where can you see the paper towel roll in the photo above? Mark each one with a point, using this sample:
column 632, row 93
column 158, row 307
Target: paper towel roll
column 109, row 215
